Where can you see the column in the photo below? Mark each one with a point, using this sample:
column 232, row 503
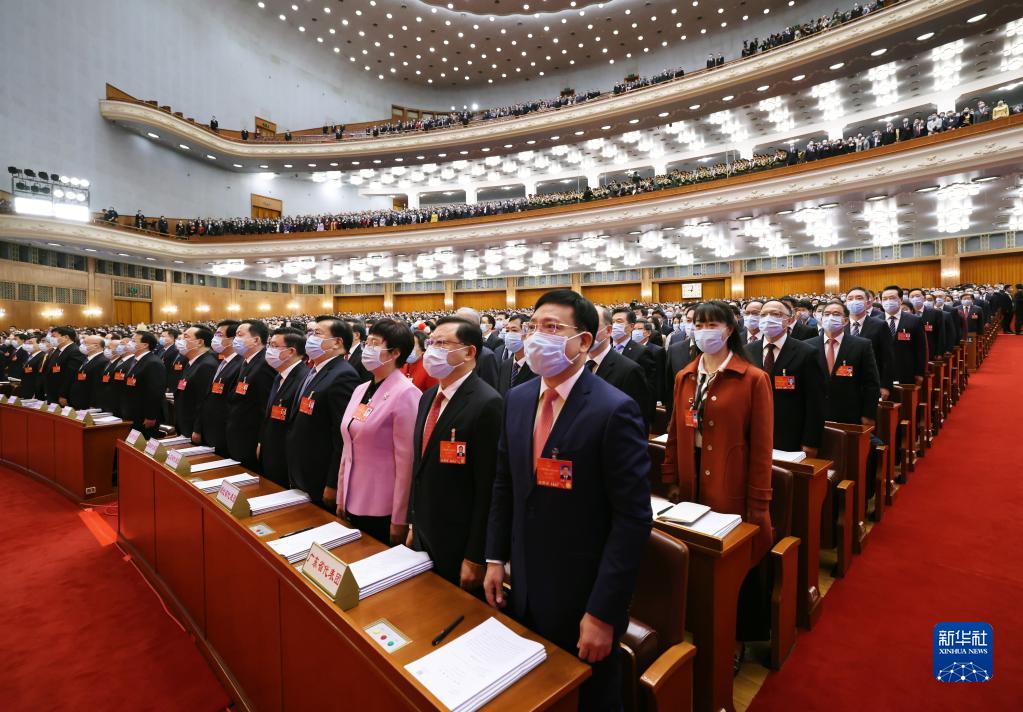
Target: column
column 470, row 195
column 593, row 180
column 646, row 290
column 950, row 262
column 529, row 186
column 388, row 296
column 836, row 131
column 577, row 282
column 946, row 101
column 413, row 199
column 449, row 294
column 738, row 284
column 745, row 150
column 832, row 282
column 509, row 292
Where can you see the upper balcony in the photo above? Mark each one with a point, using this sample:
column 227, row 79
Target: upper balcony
column 900, row 30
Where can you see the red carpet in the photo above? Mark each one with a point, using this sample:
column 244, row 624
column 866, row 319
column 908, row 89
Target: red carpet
column 81, row 630
column 949, row 550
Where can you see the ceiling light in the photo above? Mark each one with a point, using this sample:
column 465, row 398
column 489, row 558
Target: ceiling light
column 799, row 77
column 978, row 18
column 925, row 36
column 727, row 97
column 150, row 134
column 874, row 198
column 237, row 165
column 211, row 156
column 184, row 147
column 829, row 205
column 878, row 52
column 836, row 66
column 985, row 179
column 928, row 189
column 764, row 87
column 660, row 115
column 694, row 107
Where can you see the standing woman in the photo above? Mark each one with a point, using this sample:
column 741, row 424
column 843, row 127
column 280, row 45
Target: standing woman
column 413, row 368
column 721, row 434
column 376, row 460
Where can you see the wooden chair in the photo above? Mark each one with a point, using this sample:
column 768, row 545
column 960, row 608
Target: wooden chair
column 887, row 432
column 657, row 663
column 656, row 452
column 908, row 397
column 659, row 426
column 838, row 507
column 783, row 560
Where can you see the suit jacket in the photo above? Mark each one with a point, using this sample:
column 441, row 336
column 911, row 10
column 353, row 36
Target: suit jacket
column 142, row 391
column 934, row 331
column 211, row 420
column 909, row 349
column 273, row 433
column 972, row 323
column 170, row 357
column 799, row 411
column 504, row 377
column 601, row 525
column 953, row 328
column 658, row 386
column 486, row 367
column 676, row 357
column 111, row 389
column 85, row 388
column 492, row 340
column 376, row 456
column 648, row 362
column 876, row 331
column 355, row 361
column 59, row 372
column 17, row 359
column 849, row 397
column 31, row 383
column 246, row 406
column 449, row 504
column 314, row 438
column 627, row 376
column 802, row 331
column 191, row 391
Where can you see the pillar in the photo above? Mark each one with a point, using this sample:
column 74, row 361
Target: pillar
column 509, row 292
column 738, row 284
column 746, row 150
column 577, row 282
column 388, row 296
column 832, row 280
column 449, row 294
column 593, row 180
column 946, row 101
column 836, row 131
column 470, row 195
column 413, row 200
column 646, row 290
column 529, row 186
column 950, row 262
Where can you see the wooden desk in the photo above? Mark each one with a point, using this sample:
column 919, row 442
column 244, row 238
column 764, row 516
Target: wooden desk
column 269, row 633
column 717, row 568
column 75, row 459
column 809, row 486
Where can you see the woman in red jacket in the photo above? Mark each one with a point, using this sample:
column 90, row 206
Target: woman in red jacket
column 413, row 368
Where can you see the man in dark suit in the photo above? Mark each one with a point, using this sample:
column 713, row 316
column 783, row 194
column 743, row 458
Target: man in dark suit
column 676, row 357
column 1001, row 300
column 62, row 365
column 645, row 328
column 933, row 321
column 623, row 321
column 491, row 339
column 109, row 389
column 1017, row 309
column 211, row 420
column 172, row 362
column 17, row 359
column 85, row 389
column 797, row 383
column 513, row 370
column 622, row 373
column 142, row 391
column 852, row 386
column 572, row 512
column 314, row 437
column 953, row 325
column 285, row 355
column 971, row 316
column 909, row 342
column 193, row 385
column 486, row 362
column 354, row 356
column 31, row 375
column 246, row 402
column 875, row 331
column 800, row 328
column 450, row 498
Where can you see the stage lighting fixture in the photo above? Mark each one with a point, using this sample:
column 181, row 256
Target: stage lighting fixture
column 44, row 175
column 29, row 173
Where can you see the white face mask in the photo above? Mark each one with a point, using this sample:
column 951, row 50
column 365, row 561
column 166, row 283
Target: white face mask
column 637, row 335
column 752, row 321
column 545, row 353
column 710, row 341
column 435, row 361
column 513, row 341
column 217, row 344
column 617, row 331
column 892, row 306
column 832, row 324
column 772, row 325
column 371, row 358
column 273, row 357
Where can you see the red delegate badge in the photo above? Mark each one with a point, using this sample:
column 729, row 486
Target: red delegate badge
column 844, row 370
column 904, row 335
column 928, row 327
column 56, row 369
column 784, row 383
column 306, row 404
column 452, row 452
column 692, row 419
column 362, row 412
column 131, row 381
column 242, row 388
column 279, row 412
column 119, row 376
column 556, row 474
column 81, row 375
column 217, row 387
column 182, row 384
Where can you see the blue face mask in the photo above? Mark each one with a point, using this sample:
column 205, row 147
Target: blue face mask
column 637, row 335
column 238, row 345
column 217, row 344
column 752, row 321
column 180, row 345
column 314, row 346
column 856, row 306
column 710, row 341
column 772, row 326
column 617, row 331
column 412, row 357
column 513, row 341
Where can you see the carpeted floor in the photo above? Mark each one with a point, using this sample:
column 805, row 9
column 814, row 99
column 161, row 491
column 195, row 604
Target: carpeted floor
column 951, row 549
column 79, row 627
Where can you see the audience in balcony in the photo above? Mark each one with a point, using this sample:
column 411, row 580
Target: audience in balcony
column 110, row 215
column 797, row 32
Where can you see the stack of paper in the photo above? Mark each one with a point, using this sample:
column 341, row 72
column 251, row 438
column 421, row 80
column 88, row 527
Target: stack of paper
column 715, row 524
column 214, row 465
column 681, row 513
column 275, row 501
column 106, row 420
column 383, row 570
column 196, row 450
column 241, row 480
column 787, row 456
column 176, row 440
column 295, row 547
column 476, row 667
column 662, row 438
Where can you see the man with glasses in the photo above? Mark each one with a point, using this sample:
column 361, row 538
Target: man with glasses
column 486, row 361
column 571, row 505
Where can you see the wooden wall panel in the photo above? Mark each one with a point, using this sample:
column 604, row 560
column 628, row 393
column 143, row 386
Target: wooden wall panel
column 611, row 293
column 905, row 274
column 359, row 303
column 712, row 289
column 482, row 301
column 432, row 301
column 990, row 269
column 784, row 283
column 526, row 298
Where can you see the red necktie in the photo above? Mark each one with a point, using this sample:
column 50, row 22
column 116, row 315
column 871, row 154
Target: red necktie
column 831, row 356
column 544, row 423
column 431, row 419
column 769, row 358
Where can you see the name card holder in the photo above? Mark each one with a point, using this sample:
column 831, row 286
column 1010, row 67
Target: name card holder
column 85, row 418
column 332, row 576
column 52, row 408
column 136, row 440
column 178, row 462
column 67, row 411
column 156, row 450
column 14, row 400
column 231, row 498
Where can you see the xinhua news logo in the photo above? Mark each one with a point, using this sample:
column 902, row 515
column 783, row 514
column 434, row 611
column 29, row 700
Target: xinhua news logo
column 963, row 652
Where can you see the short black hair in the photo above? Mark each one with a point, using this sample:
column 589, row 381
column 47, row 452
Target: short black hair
column 490, row 319
column 65, row 331
column 420, row 336
column 172, row 331
column 396, row 335
column 630, row 315
column 805, row 304
column 895, row 287
column 866, row 292
column 231, row 324
column 338, row 329
column 202, row 333
column 357, row 327
column 583, row 311
column 293, row 338
column 148, row 338
column 522, row 318
column 467, row 333
column 839, row 302
column 258, row 328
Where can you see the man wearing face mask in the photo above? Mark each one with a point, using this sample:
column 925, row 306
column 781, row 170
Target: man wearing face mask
column 622, row 373
column 514, row 370
column 574, row 491
column 173, row 363
column 875, row 331
column 933, row 321
column 62, row 364
column 486, row 362
column 852, row 384
column 797, row 382
column 450, row 497
column 751, row 320
column 246, row 401
column 85, row 389
column 142, row 386
column 210, row 426
column 31, row 382
column 952, row 322
column 906, row 332
column 109, row 389
column 193, row 386
column 677, row 356
column 285, row 355
column 970, row 315
column 354, row 356
column 19, row 356
column 491, row 337
column 643, row 333
column 314, row 439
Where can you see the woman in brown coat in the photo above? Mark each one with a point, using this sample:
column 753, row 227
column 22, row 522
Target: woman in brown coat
column 722, row 428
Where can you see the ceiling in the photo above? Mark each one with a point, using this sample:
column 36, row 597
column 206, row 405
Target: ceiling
column 475, row 42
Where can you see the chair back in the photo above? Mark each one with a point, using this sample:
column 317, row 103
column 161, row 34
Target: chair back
column 660, row 597
column 781, row 502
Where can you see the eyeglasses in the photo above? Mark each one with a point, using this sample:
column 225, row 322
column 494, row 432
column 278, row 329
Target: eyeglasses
column 546, row 327
column 443, row 344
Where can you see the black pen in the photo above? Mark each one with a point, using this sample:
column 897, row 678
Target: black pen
column 665, row 510
column 444, row 633
column 297, row 531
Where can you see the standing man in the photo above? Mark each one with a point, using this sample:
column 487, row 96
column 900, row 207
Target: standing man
column 62, row 365
column 172, row 362
column 314, row 437
column 560, row 479
column 933, row 321
column 286, row 356
column 142, row 389
column 486, row 361
column 909, row 343
column 874, row 330
column 246, row 402
column 642, row 333
column 193, row 386
column 31, row 373
column 751, row 320
column 210, row 425
column 85, row 389
column 623, row 322
column 971, row 315
column 491, row 339
column 19, row 356
column 1017, row 309
column 622, row 373
column 514, row 371
column 852, row 384
column 454, row 456
column 354, row 356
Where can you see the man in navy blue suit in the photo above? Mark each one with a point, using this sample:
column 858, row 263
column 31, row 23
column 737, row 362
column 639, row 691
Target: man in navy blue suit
column 571, row 501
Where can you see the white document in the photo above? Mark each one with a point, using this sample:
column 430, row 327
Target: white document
column 214, row 485
column 476, row 667
column 683, row 512
column 213, row 465
column 277, row 500
column 106, row 420
column 196, row 450
column 663, row 439
column 787, row 456
column 715, row 524
column 330, row 535
column 176, row 440
column 380, row 571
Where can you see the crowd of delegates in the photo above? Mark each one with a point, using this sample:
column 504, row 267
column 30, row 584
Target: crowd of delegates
column 433, row 429
column 799, row 31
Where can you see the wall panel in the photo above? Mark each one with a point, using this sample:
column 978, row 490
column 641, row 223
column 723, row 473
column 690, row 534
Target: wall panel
column 526, row 298
column 784, row 283
column 433, row 301
column 905, row 274
column 482, row 301
column 611, row 293
column 712, row 289
column 990, row 269
column 359, row 303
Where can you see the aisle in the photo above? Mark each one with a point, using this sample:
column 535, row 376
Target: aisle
column 81, row 628
column 949, row 550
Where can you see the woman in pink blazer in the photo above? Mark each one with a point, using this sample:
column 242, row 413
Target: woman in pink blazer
column 376, row 463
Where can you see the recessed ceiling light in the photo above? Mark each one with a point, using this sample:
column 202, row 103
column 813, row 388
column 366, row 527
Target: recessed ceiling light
column 925, row 36
column 985, row 179
column 744, row 218
column 237, row 165
column 211, row 156
column 312, row 165
column 605, row 127
column 485, row 149
column 123, row 254
column 287, row 165
column 633, row 121
column 875, row 198
column 799, row 77
column 829, row 205
column 783, row 212
column 263, row 166
column 694, row 107
column 54, row 244
column 978, row 18
column 878, row 52
column 183, row 146
column 179, row 262
column 928, row 189
column 151, row 259
column 507, row 145
column 89, row 249
column 836, row 66
column 531, row 142
column 150, row 134
column 727, row 97
column 763, row 87
column 662, row 114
